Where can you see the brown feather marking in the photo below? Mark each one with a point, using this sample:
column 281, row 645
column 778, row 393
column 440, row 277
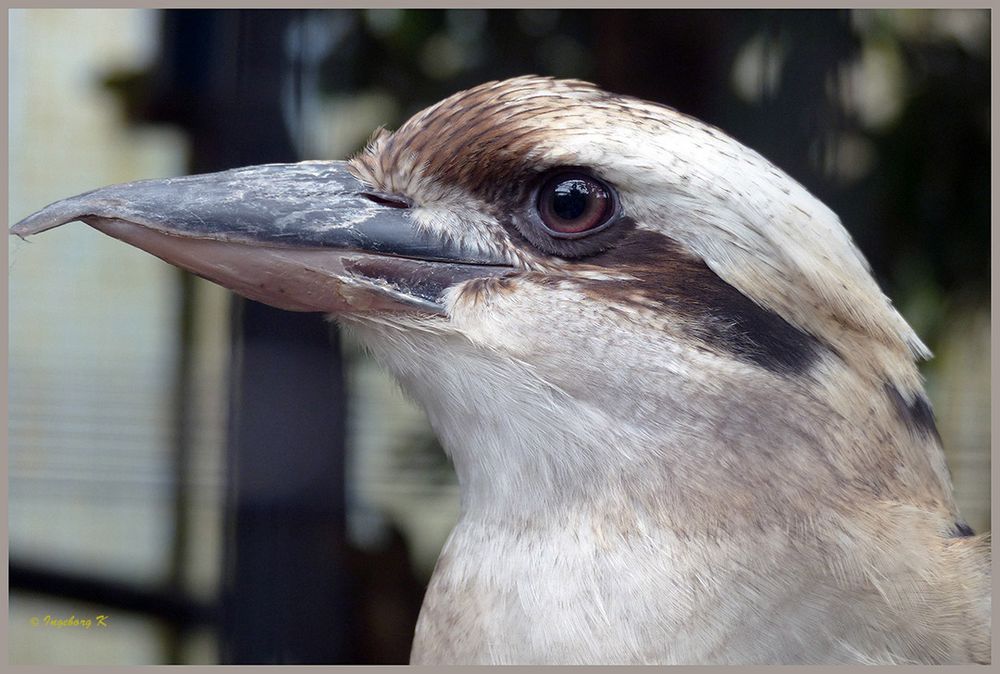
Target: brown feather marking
column 480, row 139
column 673, row 280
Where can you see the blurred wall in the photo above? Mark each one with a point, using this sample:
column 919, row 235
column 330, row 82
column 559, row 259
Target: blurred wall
column 93, row 345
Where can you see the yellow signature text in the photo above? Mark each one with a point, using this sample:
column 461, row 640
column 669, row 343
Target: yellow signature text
column 71, row 621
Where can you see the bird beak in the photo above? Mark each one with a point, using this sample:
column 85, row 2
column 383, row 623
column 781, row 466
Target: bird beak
column 302, row 237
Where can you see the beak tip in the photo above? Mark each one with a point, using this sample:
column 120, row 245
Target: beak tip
column 53, row 215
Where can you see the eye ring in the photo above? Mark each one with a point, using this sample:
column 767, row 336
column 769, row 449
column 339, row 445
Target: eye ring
column 572, row 204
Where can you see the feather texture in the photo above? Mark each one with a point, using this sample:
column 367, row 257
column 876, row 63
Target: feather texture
column 703, row 440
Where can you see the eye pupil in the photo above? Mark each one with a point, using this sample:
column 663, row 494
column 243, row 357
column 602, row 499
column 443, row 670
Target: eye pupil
column 572, row 205
column 569, row 200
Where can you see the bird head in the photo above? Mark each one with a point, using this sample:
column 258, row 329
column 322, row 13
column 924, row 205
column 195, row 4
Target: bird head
column 588, row 293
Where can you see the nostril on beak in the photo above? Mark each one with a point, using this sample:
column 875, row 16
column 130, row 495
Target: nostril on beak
column 390, row 200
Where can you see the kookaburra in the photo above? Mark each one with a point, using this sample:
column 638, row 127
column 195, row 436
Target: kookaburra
column 688, row 426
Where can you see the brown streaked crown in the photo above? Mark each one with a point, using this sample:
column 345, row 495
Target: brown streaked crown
column 484, row 138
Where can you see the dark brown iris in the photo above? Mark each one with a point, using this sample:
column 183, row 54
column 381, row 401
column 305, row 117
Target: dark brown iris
column 572, row 205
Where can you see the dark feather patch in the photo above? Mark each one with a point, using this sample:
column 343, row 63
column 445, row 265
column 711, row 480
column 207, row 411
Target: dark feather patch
column 916, row 415
column 962, row 530
column 718, row 314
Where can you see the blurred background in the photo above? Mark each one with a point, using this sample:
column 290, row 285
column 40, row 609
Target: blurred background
column 229, row 483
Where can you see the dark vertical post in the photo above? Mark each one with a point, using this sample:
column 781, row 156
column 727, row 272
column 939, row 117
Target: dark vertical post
column 284, row 595
column 181, row 459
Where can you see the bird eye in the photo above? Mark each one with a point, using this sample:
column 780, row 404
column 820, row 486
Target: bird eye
column 572, row 205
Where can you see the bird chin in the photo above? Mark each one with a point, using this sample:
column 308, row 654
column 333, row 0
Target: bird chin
column 338, row 282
